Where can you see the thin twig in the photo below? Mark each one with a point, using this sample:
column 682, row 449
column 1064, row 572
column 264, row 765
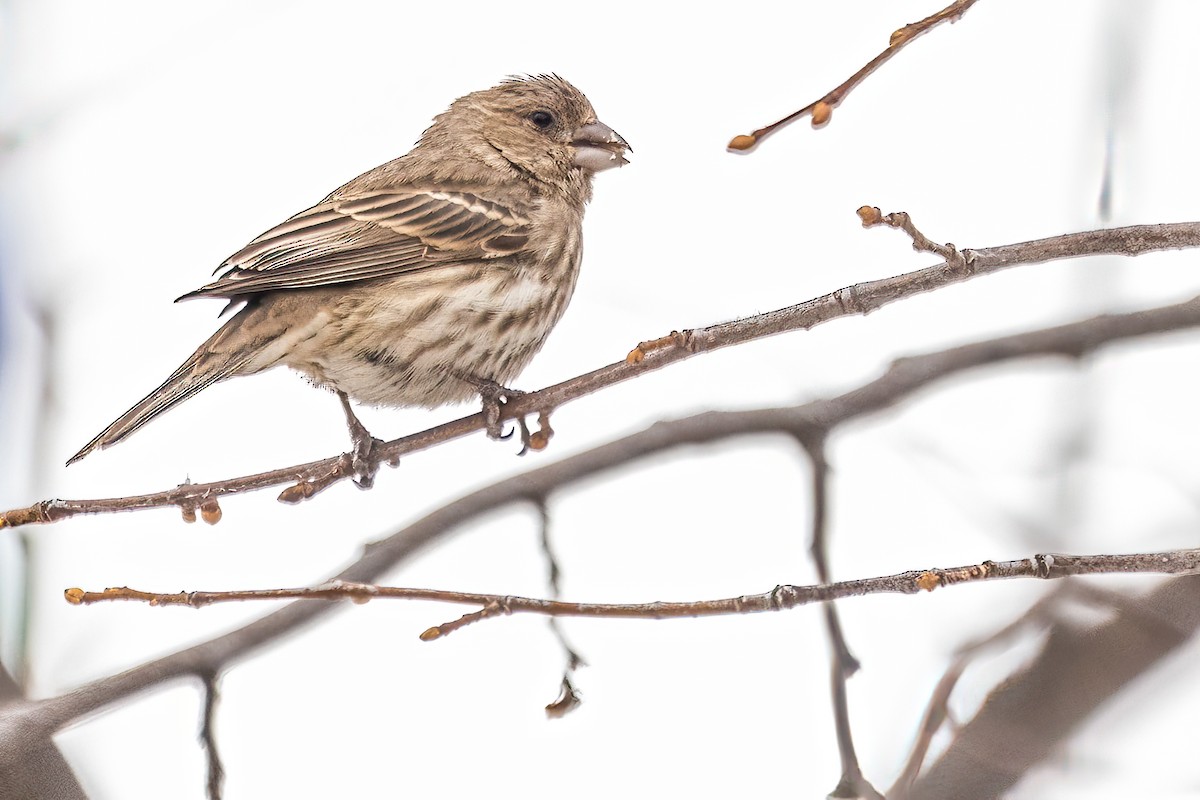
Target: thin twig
column 862, row 298
column 1044, row 566
column 937, row 711
column 814, row 445
column 553, row 571
column 822, row 110
column 871, row 217
column 843, row 665
column 852, row 784
column 569, row 697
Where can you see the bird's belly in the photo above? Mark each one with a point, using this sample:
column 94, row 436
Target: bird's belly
column 427, row 342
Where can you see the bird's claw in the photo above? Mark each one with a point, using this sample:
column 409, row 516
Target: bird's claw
column 495, row 397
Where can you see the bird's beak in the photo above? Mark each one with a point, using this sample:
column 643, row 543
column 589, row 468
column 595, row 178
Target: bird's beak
column 599, row 147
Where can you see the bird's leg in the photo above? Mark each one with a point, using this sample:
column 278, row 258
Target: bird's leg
column 361, row 462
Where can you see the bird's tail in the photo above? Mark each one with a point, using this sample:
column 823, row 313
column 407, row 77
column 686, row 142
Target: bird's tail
column 218, row 358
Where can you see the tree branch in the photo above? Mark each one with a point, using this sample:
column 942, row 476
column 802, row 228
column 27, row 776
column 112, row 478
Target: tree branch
column 22, row 722
column 862, row 298
column 36, row 769
column 937, row 711
column 851, row 782
column 211, row 681
column 822, row 110
column 568, row 697
column 1026, row 719
column 1044, row 566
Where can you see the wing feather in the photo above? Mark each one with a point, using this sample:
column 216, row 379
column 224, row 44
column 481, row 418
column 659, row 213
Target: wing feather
column 371, row 235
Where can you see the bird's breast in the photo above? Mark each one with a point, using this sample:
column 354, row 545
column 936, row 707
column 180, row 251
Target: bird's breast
column 428, row 338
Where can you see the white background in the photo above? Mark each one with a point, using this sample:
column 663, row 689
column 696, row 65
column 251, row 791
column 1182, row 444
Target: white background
column 145, row 141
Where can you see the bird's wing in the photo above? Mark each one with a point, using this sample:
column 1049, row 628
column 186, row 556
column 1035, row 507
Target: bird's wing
column 370, row 235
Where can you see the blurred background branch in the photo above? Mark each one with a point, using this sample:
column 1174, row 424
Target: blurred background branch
column 811, row 422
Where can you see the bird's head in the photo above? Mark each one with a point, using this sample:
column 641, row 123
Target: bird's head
column 542, row 127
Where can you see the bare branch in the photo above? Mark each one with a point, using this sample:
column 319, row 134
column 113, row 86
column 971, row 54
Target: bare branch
column 862, row 298
column 937, row 711
column 851, row 783
column 36, row 770
column 872, row 216
column 906, row 376
column 814, row 444
column 568, row 698
column 822, row 110
column 1045, row 566
column 1027, row 718
column 208, row 734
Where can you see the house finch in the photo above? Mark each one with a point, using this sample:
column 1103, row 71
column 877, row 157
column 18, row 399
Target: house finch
column 424, row 281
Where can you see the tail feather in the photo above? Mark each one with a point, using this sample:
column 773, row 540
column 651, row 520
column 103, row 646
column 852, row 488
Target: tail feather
column 228, row 352
column 192, row 376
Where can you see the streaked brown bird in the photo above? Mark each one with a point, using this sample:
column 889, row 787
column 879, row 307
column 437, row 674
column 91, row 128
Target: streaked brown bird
column 424, row 281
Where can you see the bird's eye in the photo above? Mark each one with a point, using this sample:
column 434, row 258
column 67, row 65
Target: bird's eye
column 542, row 119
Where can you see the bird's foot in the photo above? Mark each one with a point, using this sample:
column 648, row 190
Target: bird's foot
column 364, row 462
column 495, row 397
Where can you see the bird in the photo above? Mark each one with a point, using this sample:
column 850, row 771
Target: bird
column 427, row 280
